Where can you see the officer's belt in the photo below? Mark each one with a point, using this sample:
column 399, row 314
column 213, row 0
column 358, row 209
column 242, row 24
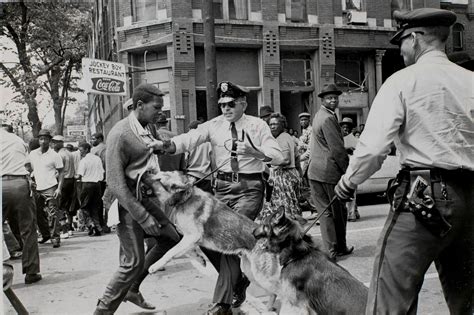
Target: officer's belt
column 238, row 177
column 437, row 174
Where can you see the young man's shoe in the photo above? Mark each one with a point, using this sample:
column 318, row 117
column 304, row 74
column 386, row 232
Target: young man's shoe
column 32, row 278
column 137, row 299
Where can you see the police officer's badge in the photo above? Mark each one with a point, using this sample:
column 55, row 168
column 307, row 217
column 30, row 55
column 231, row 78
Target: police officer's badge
column 224, row 87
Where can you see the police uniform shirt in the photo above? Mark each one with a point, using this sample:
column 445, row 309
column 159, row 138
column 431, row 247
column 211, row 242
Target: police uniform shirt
column 426, row 109
column 217, row 131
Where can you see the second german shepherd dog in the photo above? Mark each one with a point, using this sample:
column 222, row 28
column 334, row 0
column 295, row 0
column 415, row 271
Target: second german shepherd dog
column 276, row 255
column 310, row 281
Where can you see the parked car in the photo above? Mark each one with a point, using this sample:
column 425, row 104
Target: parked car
column 377, row 183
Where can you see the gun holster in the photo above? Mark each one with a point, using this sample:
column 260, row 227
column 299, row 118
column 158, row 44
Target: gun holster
column 420, row 202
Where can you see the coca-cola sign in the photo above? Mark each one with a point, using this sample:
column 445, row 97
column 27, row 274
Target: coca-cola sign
column 107, row 85
column 104, row 77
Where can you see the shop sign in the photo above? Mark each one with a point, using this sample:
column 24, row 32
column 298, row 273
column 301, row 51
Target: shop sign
column 354, row 100
column 104, row 77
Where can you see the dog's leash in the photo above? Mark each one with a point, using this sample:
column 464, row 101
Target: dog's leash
column 212, row 172
column 320, row 215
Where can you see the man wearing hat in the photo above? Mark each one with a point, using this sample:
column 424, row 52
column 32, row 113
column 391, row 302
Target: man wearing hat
column 248, row 143
column 328, row 162
column 17, row 200
column 7, row 125
column 46, row 163
column 66, row 204
column 265, row 112
column 350, row 142
column 304, row 154
column 426, row 109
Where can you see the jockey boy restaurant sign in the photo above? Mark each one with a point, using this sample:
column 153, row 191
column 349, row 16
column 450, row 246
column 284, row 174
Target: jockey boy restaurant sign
column 104, row 77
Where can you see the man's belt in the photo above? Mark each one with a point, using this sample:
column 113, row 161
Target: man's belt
column 437, row 173
column 238, row 177
column 14, row 176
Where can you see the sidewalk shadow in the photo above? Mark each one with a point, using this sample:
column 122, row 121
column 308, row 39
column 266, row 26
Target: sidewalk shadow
column 57, row 277
column 364, row 251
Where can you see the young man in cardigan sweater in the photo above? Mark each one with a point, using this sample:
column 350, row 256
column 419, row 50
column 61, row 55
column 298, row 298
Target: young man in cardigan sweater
column 127, row 156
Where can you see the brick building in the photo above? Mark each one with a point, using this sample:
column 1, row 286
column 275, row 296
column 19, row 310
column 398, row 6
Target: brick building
column 284, row 51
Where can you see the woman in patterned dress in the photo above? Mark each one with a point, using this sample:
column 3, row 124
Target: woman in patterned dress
column 284, row 177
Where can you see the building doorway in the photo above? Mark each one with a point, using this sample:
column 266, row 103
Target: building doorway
column 292, row 104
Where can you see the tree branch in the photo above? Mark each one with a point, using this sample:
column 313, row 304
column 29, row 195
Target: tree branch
column 11, row 76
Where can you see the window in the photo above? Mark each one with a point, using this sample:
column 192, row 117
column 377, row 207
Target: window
column 458, row 37
column 350, row 72
column 238, row 10
column 147, row 10
column 231, row 9
column 292, row 10
column 352, row 5
column 296, row 72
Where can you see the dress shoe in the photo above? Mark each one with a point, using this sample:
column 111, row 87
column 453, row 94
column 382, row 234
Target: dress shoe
column 240, row 293
column 56, row 242
column 352, row 218
column 346, row 251
column 32, row 278
column 137, row 299
column 97, row 232
column 44, row 239
column 16, row 255
column 357, row 214
column 220, row 309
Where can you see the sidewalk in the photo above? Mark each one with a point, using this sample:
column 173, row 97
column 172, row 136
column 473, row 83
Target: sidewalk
column 76, row 274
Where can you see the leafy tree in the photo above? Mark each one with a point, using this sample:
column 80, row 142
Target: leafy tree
column 50, row 40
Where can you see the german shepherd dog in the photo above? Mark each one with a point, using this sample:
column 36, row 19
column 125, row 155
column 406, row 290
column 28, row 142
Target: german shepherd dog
column 310, row 281
column 206, row 221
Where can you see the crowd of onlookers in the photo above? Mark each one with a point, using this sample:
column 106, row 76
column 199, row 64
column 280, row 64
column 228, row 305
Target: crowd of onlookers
column 60, row 187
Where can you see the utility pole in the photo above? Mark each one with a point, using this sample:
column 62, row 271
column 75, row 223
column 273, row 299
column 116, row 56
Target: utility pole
column 210, row 59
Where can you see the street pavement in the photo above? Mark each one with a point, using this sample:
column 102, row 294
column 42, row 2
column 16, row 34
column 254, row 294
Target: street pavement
column 76, row 274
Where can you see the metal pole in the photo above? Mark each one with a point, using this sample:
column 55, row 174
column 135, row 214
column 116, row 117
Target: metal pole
column 210, row 59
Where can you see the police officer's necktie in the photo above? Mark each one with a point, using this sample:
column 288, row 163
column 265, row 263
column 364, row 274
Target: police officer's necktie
column 234, row 164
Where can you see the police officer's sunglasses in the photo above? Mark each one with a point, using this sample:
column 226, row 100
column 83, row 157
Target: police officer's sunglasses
column 408, row 35
column 230, row 104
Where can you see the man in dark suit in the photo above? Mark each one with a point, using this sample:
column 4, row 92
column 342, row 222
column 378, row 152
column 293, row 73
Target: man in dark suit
column 328, row 161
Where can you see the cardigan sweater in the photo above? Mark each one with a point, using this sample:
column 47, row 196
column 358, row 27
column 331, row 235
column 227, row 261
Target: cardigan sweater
column 126, row 156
